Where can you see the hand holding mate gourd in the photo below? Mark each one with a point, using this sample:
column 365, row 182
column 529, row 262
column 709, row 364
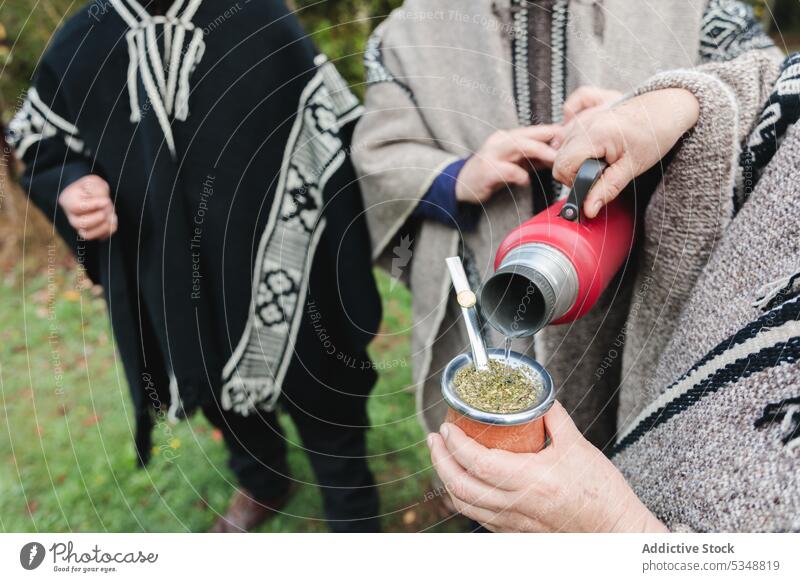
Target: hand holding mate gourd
column 568, row 486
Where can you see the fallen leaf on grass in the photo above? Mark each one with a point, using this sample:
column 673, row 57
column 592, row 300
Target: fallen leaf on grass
column 71, row 295
column 92, row 420
column 410, row 517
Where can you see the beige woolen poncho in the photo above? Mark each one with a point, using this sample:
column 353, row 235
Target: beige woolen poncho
column 444, row 75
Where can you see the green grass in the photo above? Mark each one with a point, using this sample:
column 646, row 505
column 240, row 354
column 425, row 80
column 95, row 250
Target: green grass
column 65, row 429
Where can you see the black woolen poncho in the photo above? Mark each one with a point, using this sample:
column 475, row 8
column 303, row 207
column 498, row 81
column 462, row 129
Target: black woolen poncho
column 224, row 138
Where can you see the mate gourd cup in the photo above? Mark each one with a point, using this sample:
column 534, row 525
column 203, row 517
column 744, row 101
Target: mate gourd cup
column 518, row 432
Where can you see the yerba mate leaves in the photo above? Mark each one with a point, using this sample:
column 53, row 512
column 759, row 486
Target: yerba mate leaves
column 501, row 389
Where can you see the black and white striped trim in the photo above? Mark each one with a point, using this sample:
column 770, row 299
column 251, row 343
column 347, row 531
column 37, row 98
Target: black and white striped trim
column 520, row 62
column 253, row 376
column 777, row 292
column 558, row 74
column 35, row 121
column 767, row 342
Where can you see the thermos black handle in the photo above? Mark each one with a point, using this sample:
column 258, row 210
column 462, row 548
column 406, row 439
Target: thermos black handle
column 587, row 176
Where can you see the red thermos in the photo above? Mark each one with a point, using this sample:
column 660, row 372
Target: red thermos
column 553, row 268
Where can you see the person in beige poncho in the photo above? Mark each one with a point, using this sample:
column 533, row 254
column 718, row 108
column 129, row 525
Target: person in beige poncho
column 463, row 112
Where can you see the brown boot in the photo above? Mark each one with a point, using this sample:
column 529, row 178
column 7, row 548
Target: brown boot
column 246, row 513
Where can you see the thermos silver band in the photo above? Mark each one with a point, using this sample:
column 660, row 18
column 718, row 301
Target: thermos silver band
column 534, row 285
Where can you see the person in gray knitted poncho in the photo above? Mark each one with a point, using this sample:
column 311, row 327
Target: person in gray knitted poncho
column 710, row 398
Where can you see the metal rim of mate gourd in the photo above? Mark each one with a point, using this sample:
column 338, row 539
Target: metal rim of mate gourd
column 507, row 419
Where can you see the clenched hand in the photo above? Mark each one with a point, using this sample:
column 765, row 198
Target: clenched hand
column 89, row 209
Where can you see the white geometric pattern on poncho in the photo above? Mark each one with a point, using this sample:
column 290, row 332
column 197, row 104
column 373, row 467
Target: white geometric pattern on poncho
column 729, row 28
column 781, row 111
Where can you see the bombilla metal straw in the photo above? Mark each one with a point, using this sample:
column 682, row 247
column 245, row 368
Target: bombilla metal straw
column 467, row 300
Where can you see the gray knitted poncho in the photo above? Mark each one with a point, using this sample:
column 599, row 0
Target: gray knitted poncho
column 709, row 409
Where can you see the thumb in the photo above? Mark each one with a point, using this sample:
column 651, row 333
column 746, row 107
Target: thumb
column 560, row 426
column 608, row 187
column 94, row 185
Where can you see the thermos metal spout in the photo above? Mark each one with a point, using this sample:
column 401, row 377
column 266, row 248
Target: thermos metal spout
column 534, row 285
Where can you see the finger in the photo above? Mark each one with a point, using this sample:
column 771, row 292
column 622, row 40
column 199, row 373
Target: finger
column 495, row 518
column 542, row 155
column 526, row 149
column 543, row 133
column 495, row 467
column 571, row 156
column 94, row 186
column 81, row 205
column 613, row 181
column 90, row 220
column 100, row 232
column 560, row 137
column 500, row 522
column 560, row 427
column 513, row 174
column 461, row 486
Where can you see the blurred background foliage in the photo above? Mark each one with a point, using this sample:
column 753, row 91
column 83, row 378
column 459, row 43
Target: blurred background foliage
column 339, row 27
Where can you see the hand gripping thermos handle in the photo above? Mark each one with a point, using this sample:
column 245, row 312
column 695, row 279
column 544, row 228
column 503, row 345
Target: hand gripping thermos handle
column 587, row 176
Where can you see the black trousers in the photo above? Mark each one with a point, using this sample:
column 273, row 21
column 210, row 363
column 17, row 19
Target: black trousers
column 328, row 407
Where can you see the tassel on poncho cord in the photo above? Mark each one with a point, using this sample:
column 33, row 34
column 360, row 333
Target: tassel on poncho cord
column 163, row 52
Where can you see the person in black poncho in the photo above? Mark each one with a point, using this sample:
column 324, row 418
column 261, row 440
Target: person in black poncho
column 193, row 153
